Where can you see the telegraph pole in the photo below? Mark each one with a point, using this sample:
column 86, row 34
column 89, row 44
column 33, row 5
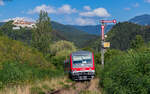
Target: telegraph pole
column 103, row 43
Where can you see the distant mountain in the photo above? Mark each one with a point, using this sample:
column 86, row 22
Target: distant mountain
column 1, row 23
column 142, row 19
column 92, row 29
column 72, row 34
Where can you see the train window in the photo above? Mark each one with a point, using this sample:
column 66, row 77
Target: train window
column 85, row 59
column 77, row 62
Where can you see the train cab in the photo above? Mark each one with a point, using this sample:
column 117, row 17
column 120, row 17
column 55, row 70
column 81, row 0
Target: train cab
column 81, row 66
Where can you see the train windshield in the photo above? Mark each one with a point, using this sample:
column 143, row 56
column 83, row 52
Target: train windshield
column 85, row 59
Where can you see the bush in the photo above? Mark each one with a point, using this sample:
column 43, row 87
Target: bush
column 16, row 73
column 60, row 52
column 127, row 74
column 62, row 48
column 20, row 63
column 109, row 54
column 11, row 50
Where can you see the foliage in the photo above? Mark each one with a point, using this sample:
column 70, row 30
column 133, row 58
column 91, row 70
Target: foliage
column 93, row 45
column 62, row 48
column 79, row 38
column 137, row 42
column 127, row 73
column 87, row 49
column 58, row 62
column 11, row 50
column 20, row 63
column 109, row 55
column 14, row 73
column 60, row 52
column 42, row 34
column 23, row 34
column 121, row 35
column 59, row 32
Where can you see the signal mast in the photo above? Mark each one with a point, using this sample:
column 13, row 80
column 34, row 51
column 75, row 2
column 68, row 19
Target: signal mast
column 103, row 43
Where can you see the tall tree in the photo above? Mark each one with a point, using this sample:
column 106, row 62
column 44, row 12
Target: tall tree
column 42, row 33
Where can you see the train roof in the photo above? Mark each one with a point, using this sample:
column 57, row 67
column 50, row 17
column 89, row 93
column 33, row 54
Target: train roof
column 81, row 53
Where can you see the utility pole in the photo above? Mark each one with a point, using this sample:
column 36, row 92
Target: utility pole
column 103, row 43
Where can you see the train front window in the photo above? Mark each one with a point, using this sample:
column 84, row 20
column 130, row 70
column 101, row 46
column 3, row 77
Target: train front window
column 77, row 60
column 87, row 59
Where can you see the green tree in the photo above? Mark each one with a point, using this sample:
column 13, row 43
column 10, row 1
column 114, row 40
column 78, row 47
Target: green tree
column 62, row 48
column 137, row 42
column 42, row 34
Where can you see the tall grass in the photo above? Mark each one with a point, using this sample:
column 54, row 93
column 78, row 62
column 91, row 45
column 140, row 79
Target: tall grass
column 13, row 73
column 38, row 87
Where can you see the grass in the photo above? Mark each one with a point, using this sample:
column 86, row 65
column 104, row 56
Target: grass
column 39, row 87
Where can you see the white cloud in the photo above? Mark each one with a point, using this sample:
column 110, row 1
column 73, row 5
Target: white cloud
column 87, row 8
column 127, row 9
column 99, row 12
column 20, row 18
column 136, row 5
column 48, row 9
column 66, row 9
column 148, row 1
column 1, row 3
column 84, row 21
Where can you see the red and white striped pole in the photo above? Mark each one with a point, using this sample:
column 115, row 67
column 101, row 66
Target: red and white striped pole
column 102, row 33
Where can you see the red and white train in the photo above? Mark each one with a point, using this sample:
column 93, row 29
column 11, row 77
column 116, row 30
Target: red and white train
column 80, row 66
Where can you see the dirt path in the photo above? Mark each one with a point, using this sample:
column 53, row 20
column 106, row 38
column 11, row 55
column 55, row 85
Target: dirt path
column 87, row 87
column 94, row 87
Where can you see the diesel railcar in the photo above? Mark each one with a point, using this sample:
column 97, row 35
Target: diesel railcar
column 80, row 66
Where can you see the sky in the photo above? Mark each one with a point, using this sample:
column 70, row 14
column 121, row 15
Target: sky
column 74, row 12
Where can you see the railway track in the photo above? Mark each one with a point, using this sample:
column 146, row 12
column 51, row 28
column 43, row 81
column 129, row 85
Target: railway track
column 74, row 88
column 59, row 90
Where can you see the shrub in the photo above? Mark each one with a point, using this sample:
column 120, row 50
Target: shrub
column 127, row 74
column 20, row 63
column 62, row 48
column 11, row 50
column 16, row 73
column 109, row 54
column 60, row 52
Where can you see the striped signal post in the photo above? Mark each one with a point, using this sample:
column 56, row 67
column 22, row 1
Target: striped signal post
column 103, row 37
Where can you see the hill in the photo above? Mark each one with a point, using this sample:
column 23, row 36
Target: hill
column 122, row 34
column 92, row 29
column 72, row 34
column 60, row 32
column 142, row 19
